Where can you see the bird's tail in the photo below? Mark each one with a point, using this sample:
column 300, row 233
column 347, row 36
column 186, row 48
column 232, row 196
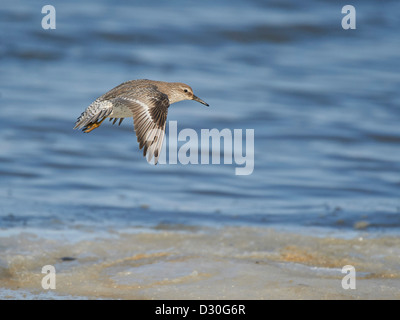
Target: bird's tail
column 94, row 115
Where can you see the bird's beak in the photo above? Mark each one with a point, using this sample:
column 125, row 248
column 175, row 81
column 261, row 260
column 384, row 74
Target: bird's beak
column 199, row 100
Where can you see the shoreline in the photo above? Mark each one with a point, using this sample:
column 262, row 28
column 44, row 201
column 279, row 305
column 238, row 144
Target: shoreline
column 200, row 263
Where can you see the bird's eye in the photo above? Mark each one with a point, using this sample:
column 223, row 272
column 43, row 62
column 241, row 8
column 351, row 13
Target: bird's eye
column 185, row 90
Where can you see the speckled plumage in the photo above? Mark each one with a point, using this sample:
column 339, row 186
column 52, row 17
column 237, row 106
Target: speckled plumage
column 147, row 101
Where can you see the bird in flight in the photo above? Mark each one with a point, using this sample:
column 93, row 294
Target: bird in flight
column 147, row 101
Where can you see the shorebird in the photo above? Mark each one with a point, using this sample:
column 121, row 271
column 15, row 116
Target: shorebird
column 147, row 101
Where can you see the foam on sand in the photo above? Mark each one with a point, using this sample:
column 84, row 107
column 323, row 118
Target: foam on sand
column 182, row 262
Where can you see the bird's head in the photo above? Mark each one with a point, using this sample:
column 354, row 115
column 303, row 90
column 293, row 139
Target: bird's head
column 181, row 92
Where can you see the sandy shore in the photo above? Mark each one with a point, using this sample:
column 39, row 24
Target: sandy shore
column 198, row 263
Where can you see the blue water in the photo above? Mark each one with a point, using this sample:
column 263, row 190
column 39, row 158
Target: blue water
column 323, row 101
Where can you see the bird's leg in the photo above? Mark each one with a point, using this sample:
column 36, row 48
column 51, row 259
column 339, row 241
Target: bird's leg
column 93, row 126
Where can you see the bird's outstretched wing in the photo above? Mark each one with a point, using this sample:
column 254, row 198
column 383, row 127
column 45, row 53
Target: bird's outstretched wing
column 149, row 118
column 149, row 108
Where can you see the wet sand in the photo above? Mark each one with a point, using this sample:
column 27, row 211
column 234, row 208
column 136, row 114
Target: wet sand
column 183, row 262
